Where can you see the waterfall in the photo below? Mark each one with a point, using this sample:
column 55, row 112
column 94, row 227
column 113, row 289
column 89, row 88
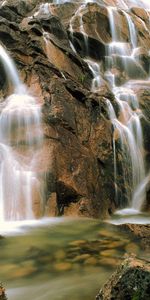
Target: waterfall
column 127, row 138
column 95, row 69
column 132, row 30
column 78, row 14
column 128, row 121
column 20, row 138
column 44, row 9
column 21, row 135
column 10, row 68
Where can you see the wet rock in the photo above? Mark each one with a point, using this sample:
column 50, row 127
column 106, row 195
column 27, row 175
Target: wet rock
column 2, row 293
column 81, row 258
column 76, row 163
column 92, row 261
column 142, row 56
column 25, row 270
column 143, row 32
column 109, row 262
column 141, row 13
column 72, row 161
column 108, row 252
column 141, row 232
column 62, row 267
column 77, row 243
column 130, row 281
column 132, row 248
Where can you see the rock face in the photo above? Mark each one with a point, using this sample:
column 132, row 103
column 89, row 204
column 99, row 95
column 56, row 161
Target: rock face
column 76, row 163
column 130, row 281
column 73, row 164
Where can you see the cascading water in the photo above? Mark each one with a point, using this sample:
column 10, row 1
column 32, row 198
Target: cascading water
column 20, row 139
column 10, row 68
column 93, row 65
column 95, row 69
column 127, row 122
column 34, row 263
column 127, row 137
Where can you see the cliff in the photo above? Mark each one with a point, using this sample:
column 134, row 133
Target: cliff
column 76, row 162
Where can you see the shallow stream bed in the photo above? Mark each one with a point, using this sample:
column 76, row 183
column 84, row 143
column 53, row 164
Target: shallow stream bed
column 61, row 258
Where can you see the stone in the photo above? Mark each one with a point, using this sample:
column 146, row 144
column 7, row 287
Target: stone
column 62, row 267
column 2, row 293
column 109, row 262
column 77, row 243
column 108, row 252
column 140, row 232
column 81, row 258
column 130, row 281
column 92, row 261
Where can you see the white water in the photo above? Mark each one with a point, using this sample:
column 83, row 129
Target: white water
column 10, row 68
column 132, row 30
column 97, row 80
column 127, row 123
column 21, row 117
column 44, row 9
column 20, row 139
column 78, row 14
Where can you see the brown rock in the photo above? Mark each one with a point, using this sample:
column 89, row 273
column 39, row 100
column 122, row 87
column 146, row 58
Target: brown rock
column 142, row 232
column 62, row 267
column 131, row 280
column 2, row 293
column 141, row 13
column 75, row 164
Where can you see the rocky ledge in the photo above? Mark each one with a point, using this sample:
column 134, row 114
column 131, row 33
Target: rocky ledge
column 131, row 281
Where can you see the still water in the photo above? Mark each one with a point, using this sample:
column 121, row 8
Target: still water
column 61, row 258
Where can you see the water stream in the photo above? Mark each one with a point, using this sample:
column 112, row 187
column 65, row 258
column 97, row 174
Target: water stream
column 62, row 258
column 126, row 123
column 20, row 139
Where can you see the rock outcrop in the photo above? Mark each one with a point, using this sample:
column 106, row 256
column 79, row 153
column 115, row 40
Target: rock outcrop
column 130, row 281
column 77, row 160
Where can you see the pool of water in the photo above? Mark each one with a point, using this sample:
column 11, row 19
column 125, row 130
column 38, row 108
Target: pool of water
column 129, row 215
column 61, row 258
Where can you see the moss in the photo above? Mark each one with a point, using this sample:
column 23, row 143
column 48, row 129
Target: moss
column 137, row 295
column 82, row 78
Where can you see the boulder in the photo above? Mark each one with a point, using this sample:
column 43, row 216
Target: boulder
column 140, row 232
column 130, row 281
